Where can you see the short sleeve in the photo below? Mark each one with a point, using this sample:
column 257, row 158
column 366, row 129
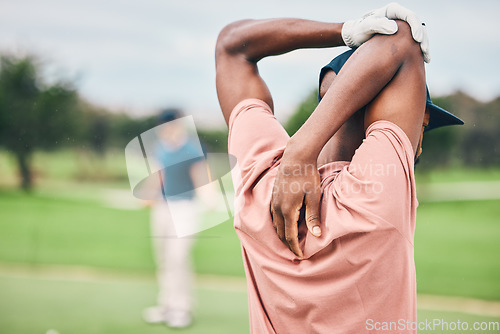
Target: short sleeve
column 256, row 138
column 379, row 180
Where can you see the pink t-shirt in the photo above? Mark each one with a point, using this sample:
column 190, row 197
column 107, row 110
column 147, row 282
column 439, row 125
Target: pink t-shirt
column 359, row 276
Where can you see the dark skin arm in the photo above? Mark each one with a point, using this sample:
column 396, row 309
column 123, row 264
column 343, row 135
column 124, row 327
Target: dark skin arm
column 239, row 47
column 242, row 44
column 392, row 89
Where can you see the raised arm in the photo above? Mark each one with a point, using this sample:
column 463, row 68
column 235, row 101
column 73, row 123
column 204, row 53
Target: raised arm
column 386, row 75
column 242, row 44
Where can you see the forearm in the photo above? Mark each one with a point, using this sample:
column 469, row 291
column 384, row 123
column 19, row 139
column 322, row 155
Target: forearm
column 329, row 116
column 256, row 39
column 362, row 78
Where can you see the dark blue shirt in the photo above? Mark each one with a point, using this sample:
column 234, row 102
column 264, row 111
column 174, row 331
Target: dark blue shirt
column 176, row 169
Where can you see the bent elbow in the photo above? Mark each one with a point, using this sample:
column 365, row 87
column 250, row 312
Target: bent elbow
column 405, row 42
column 231, row 39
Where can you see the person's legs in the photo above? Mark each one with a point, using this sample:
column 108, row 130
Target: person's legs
column 173, row 260
column 178, row 272
column 177, row 293
column 160, row 221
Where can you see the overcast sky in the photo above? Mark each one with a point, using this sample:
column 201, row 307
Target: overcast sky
column 140, row 56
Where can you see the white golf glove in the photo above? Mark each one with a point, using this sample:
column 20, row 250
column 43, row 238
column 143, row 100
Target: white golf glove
column 379, row 21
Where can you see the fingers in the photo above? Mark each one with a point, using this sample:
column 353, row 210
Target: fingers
column 418, row 29
column 394, row 11
column 382, row 25
column 286, row 224
column 295, row 187
column 424, row 46
column 419, row 34
column 292, row 232
column 397, row 12
column 278, row 223
column 312, row 202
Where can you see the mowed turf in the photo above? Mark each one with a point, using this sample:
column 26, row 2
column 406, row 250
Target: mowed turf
column 32, row 305
column 456, row 243
column 43, row 229
column 457, row 249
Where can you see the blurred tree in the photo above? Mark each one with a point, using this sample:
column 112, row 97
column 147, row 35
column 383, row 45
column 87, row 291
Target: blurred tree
column 32, row 113
column 18, row 97
column 214, row 140
column 439, row 147
column 481, row 141
column 123, row 128
column 302, row 113
column 94, row 128
column 477, row 143
column 99, row 129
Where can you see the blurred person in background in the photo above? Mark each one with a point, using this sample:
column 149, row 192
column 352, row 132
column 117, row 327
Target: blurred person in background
column 179, row 180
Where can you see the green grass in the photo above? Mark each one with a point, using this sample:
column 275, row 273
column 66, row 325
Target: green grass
column 457, row 248
column 42, row 229
column 457, row 174
column 47, row 230
column 80, row 164
column 34, row 305
column 66, row 165
column 65, row 223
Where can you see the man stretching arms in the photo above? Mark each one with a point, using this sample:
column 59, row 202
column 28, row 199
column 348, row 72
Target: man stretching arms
column 346, row 176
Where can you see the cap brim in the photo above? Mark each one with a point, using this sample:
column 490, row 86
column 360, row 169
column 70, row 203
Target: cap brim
column 439, row 117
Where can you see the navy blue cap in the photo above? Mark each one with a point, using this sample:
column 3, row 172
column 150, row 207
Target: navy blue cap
column 437, row 116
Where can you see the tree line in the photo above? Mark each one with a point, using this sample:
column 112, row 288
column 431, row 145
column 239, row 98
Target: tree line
column 38, row 115
column 475, row 144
